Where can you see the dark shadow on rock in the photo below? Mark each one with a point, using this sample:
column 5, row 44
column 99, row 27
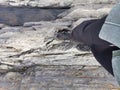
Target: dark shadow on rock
column 16, row 16
column 83, row 47
column 64, row 34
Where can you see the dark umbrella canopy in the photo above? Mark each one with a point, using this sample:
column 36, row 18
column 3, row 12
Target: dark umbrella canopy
column 88, row 33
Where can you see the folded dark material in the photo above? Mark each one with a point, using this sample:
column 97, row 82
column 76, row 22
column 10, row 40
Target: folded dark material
column 88, row 33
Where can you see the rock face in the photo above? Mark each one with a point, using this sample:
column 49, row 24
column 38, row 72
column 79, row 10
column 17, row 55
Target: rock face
column 39, row 3
column 53, row 3
column 18, row 15
column 37, row 43
column 33, row 52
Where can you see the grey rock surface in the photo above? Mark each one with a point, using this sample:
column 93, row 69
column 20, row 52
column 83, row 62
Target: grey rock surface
column 16, row 16
column 54, row 3
column 60, row 77
column 33, row 58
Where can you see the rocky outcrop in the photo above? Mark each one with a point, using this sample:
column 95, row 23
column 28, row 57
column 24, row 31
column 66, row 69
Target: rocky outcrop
column 38, row 3
column 54, row 3
column 35, row 41
column 37, row 10
column 33, row 53
column 16, row 16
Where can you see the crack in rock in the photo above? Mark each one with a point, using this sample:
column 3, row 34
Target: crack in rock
column 22, row 53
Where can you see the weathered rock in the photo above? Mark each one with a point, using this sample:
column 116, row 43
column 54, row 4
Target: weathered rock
column 79, row 2
column 40, row 46
column 38, row 38
column 12, row 77
column 36, row 43
column 32, row 57
column 19, row 15
column 41, row 24
column 53, row 3
column 85, row 13
column 59, row 77
column 80, row 21
column 41, row 3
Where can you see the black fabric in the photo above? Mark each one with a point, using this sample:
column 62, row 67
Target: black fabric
column 87, row 32
column 104, row 57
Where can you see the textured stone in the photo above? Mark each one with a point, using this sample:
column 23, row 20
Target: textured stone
column 53, row 3
column 66, row 80
column 12, row 77
column 4, row 67
column 79, row 21
column 39, row 46
column 18, row 15
column 40, row 3
column 86, row 13
column 33, row 58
